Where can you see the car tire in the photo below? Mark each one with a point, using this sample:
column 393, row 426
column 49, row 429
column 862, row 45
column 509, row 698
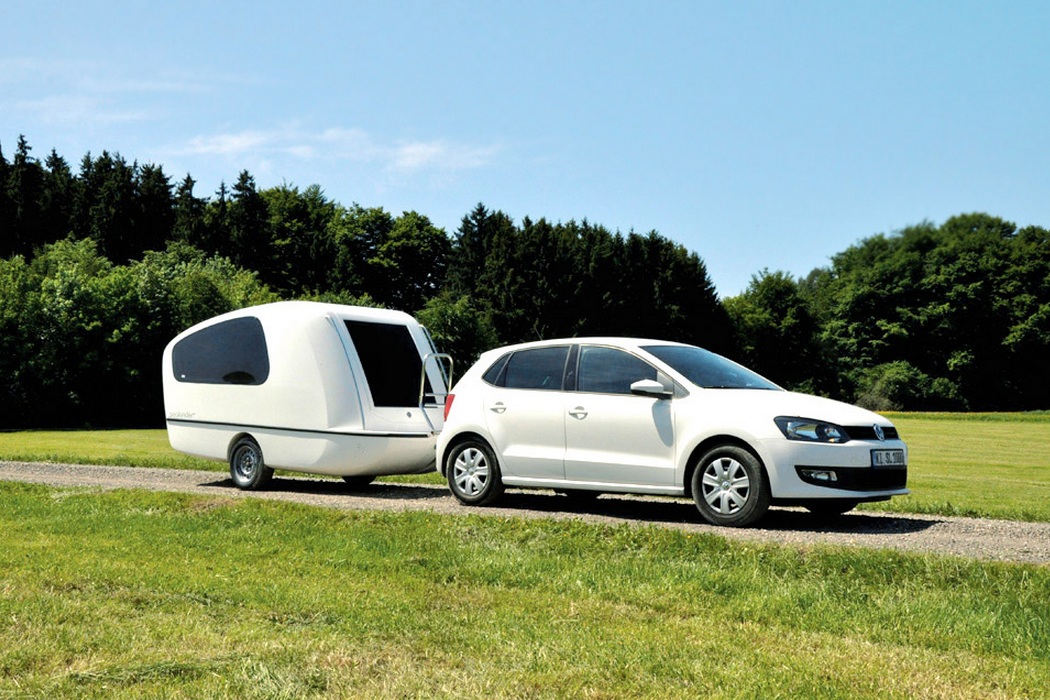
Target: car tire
column 358, row 481
column 829, row 508
column 473, row 473
column 247, row 467
column 730, row 487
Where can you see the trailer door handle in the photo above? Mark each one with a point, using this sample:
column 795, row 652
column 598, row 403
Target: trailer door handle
column 498, row 407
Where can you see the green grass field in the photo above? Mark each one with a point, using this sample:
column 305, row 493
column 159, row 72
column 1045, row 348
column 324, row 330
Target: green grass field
column 976, row 465
column 133, row 594
column 130, row 448
column 137, row 594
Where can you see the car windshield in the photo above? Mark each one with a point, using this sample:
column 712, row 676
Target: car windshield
column 708, row 370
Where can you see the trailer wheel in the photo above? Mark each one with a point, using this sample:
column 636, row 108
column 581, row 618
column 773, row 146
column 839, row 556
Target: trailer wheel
column 247, row 468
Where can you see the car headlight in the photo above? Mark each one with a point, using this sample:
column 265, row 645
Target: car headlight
column 808, row 430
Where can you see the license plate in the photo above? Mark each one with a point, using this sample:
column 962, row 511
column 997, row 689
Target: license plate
column 887, row 458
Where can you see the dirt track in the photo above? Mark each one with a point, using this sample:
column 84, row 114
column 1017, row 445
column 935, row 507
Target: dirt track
column 997, row 540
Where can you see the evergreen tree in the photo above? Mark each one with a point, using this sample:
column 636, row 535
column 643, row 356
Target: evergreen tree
column 57, row 199
column 25, row 184
column 7, row 222
column 217, row 224
column 188, row 224
column 250, row 240
column 105, row 206
column 471, row 249
column 155, row 210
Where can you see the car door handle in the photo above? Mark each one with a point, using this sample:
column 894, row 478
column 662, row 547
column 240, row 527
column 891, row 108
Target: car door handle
column 579, row 412
column 498, row 408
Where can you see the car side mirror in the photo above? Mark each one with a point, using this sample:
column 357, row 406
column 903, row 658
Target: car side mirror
column 651, row 388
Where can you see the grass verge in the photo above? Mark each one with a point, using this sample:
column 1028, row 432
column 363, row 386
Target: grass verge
column 132, row 594
column 120, row 448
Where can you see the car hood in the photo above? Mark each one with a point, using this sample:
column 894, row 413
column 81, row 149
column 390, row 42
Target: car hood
column 786, row 403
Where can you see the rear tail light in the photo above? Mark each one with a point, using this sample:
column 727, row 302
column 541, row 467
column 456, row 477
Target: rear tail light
column 448, row 404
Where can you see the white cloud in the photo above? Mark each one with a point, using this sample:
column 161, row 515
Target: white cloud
column 343, row 144
column 441, row 155
column 37, row 70
column 71, row 93
column 79, row 109
column 120, row 85
column 228, row 144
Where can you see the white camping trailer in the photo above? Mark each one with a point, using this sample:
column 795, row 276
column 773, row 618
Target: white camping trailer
column 303, row 386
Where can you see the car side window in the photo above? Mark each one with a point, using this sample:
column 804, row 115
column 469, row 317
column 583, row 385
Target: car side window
column 494, row 374
column 611, row 371
column 536, row 368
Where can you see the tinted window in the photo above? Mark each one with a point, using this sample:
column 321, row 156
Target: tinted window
column 391, row 362
column 492, row 374
column 231, row 352
column 538, row 368
column 708, row 370
column 611, row 371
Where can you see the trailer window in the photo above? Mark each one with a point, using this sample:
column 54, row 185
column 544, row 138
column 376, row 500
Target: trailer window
column 231, row 352
column 391, row 362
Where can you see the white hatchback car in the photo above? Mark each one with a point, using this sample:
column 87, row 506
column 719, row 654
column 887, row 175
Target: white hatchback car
column 590, row 415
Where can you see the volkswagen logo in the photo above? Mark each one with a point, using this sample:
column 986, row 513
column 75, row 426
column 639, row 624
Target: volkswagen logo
column 878, row 432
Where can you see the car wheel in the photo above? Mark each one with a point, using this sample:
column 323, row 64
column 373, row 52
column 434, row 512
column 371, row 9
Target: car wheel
column 247, row 468
column 830, row 508
column 473, row 474
column 358, row 481
column 730, row 487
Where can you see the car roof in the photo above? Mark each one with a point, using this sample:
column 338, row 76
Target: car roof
column 617, row 341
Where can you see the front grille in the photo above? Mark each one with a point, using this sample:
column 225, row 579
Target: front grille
column 869, row 479
column 867, row 432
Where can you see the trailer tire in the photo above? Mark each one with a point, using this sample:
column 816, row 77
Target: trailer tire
column 247, row 467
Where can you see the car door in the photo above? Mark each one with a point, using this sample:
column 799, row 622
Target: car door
column 524, row 413
column 613, row 436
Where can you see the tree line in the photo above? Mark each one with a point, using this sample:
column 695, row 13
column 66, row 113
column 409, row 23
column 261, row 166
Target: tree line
column 100, row 268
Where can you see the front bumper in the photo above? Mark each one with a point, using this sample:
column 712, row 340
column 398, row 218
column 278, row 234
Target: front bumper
column 854, row 479
column 800, row 470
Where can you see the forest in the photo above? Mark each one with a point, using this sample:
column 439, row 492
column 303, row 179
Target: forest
column 102, row 266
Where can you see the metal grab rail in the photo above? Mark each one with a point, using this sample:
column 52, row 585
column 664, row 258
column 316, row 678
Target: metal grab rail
column 439, row 358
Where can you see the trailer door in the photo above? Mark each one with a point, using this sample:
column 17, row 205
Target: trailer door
column 392, row 365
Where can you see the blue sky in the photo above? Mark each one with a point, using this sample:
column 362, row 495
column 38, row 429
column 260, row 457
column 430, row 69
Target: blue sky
column 757, row 134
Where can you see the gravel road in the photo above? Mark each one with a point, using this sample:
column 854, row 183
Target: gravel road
column 993, row 540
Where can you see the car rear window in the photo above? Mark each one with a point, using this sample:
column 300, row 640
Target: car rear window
column 535, row 368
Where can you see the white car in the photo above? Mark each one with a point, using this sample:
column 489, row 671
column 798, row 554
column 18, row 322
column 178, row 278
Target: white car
column 584, row 416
